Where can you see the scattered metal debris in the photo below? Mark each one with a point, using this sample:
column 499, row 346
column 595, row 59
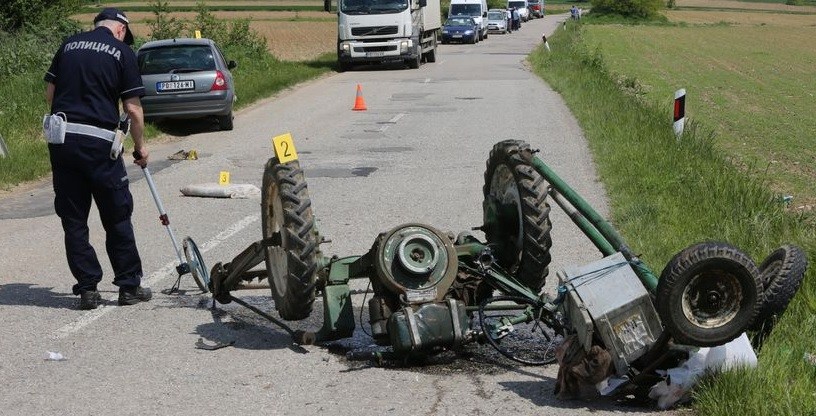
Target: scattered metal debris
column 201, row 345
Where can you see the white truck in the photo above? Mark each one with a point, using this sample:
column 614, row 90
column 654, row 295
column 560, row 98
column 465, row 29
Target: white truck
column 387, row 31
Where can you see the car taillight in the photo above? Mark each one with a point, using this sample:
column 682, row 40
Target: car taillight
column 220, row 82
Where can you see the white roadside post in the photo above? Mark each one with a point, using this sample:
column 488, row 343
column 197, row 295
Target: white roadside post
column 679, row 112
column 546, row 44
column 3, row 148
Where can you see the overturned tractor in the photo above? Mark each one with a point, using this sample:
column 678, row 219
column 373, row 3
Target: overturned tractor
column 435, row 291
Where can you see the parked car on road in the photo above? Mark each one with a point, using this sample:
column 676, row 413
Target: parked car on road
column 536, row 8
column 186, row 78
column 497, row 20
column 477, row 9
column 460, row 29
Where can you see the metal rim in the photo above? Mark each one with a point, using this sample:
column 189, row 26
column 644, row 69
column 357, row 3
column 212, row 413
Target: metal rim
column 711, row 300
column 196, row 264
column 279, row 267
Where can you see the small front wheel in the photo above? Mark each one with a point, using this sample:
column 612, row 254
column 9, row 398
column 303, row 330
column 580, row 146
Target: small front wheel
column 708, row 294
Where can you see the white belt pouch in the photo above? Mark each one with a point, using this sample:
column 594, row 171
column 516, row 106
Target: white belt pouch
column 54, row 126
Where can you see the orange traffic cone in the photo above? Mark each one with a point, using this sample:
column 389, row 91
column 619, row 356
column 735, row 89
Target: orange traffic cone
column 359, row 102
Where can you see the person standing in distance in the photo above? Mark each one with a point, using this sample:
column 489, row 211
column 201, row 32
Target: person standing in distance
column 88, row 76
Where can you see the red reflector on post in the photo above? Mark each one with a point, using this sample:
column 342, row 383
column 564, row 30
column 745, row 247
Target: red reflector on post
column 680, row 107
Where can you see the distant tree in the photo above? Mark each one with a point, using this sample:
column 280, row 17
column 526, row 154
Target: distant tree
column 643, row 9
column 18, row 14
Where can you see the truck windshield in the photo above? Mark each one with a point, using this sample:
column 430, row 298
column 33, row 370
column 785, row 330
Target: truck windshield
column 465, row 9
column 517, row 4
column 372, row 6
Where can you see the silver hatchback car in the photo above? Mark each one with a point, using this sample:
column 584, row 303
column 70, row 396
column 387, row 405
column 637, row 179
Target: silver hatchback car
column 186, row 78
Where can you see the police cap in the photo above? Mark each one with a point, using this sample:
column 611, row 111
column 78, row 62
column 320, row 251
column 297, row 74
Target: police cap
column 111, row 13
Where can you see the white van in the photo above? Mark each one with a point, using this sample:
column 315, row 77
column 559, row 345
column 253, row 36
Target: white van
column 477, row 9
column 523, row 8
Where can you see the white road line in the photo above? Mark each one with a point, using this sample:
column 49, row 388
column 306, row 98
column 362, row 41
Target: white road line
column 393, row 120
column 167, row 270
column 427, row 80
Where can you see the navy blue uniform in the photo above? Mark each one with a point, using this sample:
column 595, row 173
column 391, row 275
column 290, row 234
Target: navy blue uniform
column 91, row 71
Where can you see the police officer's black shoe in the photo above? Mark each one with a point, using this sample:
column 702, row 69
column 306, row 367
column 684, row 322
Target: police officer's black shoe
column 89, row 299
column 134, row 295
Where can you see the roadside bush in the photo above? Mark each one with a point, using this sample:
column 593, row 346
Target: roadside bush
column 32, row 49
column 164, row 26
column 19, row 14
column 643, row 9
column 235, row 36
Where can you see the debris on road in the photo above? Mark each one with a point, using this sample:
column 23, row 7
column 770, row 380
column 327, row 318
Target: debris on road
column 54, row 356
column 201, row 345
column 214, row 190
column 182, row 155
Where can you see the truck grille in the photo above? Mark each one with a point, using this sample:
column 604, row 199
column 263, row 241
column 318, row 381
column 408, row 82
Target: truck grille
column 374, row 30
column 385, row 48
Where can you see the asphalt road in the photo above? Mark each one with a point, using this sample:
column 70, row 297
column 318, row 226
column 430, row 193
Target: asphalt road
column 416, row 155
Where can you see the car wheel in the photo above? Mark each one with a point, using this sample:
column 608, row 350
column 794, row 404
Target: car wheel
column 225, row 122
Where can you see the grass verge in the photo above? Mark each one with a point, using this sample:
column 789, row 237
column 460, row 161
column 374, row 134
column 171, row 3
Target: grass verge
column 667, row 195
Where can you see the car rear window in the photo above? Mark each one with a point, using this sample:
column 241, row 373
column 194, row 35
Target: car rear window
column 176, row 58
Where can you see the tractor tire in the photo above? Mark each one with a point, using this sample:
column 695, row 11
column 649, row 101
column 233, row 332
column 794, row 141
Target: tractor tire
column 781, row 274
column 292, row 266
column 708, row 294
column 516, row 214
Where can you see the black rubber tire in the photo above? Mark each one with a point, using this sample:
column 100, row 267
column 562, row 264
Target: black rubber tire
column 521, row 241
column 415, row 62
column 292, row 266
column 708, row 294
column 225, row 122
column 781, row 274
column 431, row 55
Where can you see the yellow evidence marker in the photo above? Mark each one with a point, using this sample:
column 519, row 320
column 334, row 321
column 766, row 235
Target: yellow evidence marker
column 284, row 147
column 198, row 34
column 223, row 178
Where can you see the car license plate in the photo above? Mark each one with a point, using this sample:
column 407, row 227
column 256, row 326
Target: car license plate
column 457, row 36
column 175, row 86
column 375, row 54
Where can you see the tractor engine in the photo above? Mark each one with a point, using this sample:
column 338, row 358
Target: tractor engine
column 414, row 267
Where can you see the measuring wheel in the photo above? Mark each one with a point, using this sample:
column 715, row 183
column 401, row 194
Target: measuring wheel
column 708, row 294
column 516, row 214
column 196, row 264
column 286, row 211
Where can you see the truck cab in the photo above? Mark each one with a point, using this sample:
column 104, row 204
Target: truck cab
column 477, row 9
column 376, row 31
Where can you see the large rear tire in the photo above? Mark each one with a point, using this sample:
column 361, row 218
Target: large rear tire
column 708, row 294
column 781, row 274
column 292, row 266
column 516, row 214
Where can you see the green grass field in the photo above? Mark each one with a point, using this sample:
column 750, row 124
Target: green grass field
column 753, row 85
column 720, row 181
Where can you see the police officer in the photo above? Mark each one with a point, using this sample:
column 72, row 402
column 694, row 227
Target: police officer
column 88, row 76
